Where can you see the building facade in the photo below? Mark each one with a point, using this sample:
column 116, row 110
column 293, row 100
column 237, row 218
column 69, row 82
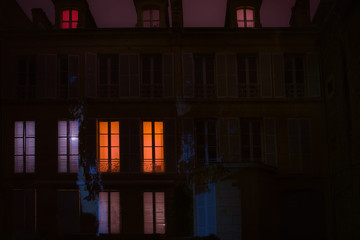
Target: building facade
column 159, row 132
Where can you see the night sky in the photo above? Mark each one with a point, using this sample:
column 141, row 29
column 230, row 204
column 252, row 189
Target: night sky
column 197, row 13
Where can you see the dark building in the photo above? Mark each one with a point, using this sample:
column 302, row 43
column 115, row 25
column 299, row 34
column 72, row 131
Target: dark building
column 166, row 132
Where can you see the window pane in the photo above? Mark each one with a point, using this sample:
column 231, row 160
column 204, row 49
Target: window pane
column 148, row 166
column 74, row 25
column 115, row 153
column 159, row 140
column 159, row 153
column 146, row 15
column 104, row 154
column 146, row 24
column 66, row 15
column 160, row 212
column 148, row 213
column 159, row 166
column 19, row 128
column 30, row 164
column 19, row 164
column 159, row 127
column 104, row 140
column 155, row 14
column 74, row 15
column 62, row 146
column 147, row 127
column 103, row 212
column 115, row 140
column 115, row 166
column 103, row 128
column 250, row 24
column 30, row 129
column 115, row 127
column 147, row 140
column 241, row 24
column 62, row 164
column 62, row 128
column 74, row 145
column 30, row 146
column 240, row 14
column 74, row 164
column 147, row 153
column 74, row 128
column 104, row 165
column 249, row 14
column 19, row 147
column 65, row 25
column 115, row 212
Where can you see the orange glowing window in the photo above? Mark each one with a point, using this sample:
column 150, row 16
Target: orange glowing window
column 109, row 146
column 245, row 18
column 153, row 147
column 69, row 19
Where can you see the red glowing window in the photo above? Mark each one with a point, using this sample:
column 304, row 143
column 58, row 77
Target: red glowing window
column 245, row 18
column 153, row 147
column 109, row 146
column 151, row 18
column 69, row 19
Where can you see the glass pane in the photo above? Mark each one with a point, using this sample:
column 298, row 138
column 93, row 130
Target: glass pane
column 103, row 212
column 115, row 140
column 146, row 15
column 65, row 25
column 19, row 164
column 30, row 146
column 159, row 127
column 160, row 212
column 74, row 145
column 74, row 25
column 103, row 128
column 146, row 24
column 74, row 15
column 115, row 153
column 241, row 24
column 159, row 166
column 62, row 146
column 115, row 212
column 147, row 140
column 155, row 14
column 148, row 153
column 66, row 15
column 250, row 24
column 155, row 24
column 148, row 213
column 159, row 140
column 147, row 127
column 19, row 128
column 62, row 164
column 115, row 166
column 104, row 153
column 19, row 147
column 159, row 153
column 74, row 164
column 148, row 166
column 30, row 129
column 104, row 140
column 62, row 128
column 104, row 165
column 74, row 128
column 249, row 14
column 240, row 14
column 115, row 127
column 30, row 164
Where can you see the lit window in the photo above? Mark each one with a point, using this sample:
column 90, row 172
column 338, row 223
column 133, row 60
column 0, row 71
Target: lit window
column 69, row 19
column 109, row 146
column 247, row 76
column 153, row 143
column 151, row 18
column 24, row 147
column 294, row 76
column 151, row 73
column 204, row 75
column 109, row 212
column 245, row 18
column 206, row 142
column 251, row 140
column 154, row 212
column 68, row 146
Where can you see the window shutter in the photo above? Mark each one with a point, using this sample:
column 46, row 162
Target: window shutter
column 168, row 74
column 124, row 145
column 222, row 141
column 170, row 145
column 265, row 74
column 313, row 74
column 270, row 141
column 40, row 76
column 234, row 139
column 68, row 211
column 221, row 75
column 90, row 143
column 91, row 74
column 278, row 74
column 188, row 75
column 293, row 144
column 9, row 77
column 74, row 76
column 124, row 74
column 135, row 146
column 134, row 77
column 50, row 75
column 231, row 75
column 188, row 143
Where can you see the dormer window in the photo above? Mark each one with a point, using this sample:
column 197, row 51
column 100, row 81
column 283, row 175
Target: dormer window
column 69, row 19
column 151, row 18
column 245, row 18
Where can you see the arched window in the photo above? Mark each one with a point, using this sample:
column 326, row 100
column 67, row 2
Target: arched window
column 151, row 18
column 245, row 18
column 69, row 18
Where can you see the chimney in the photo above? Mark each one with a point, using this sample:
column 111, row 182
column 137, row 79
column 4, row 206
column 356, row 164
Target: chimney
column 177, row 13
column 300, row 16
column 40, row 20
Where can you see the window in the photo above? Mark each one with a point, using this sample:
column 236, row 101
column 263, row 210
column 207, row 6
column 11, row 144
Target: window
column 151, row 18
column 24, row 216
column 109, row 213
column 294, row 76
column 251, row 140
column 299, row 145
column 108, row 85
column 68, row 146
column 69, row 19
column 206, row 210
column 109, row 146
column 245, row 18
column 24, row 147
column 247, row 76
column 151, row 72
column 206, row 150
column 153, row 147
column 26, row 78
column 69, row 84
column 154, row 212
column 204, row 75
column 68, row 211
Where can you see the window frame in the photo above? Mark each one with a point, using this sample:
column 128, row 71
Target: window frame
column 109, row 203
column 28, row 89
column 24, row 155
column 71, row 21
column 206, row 159
column 68, row 155
column 153, row 147
column 155, row 206
column 109, row 146
column 156, row 90
column 204, row 88
column 151, row 21
column 108, row 89
column 251, row 138
column 248, row 89
column 293, row 87
column 245, row 20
